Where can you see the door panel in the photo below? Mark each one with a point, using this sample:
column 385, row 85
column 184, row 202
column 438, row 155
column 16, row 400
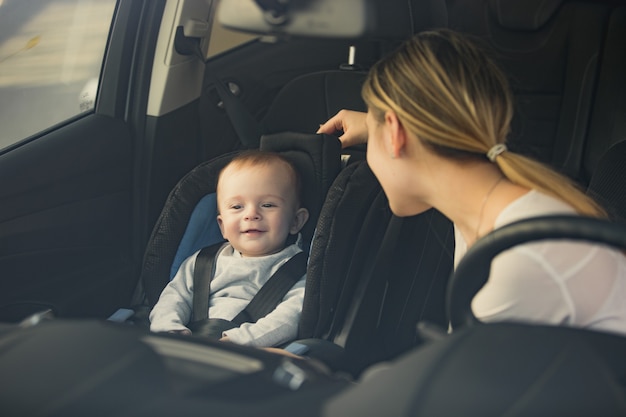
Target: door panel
column 71, row 197
column 65, row 219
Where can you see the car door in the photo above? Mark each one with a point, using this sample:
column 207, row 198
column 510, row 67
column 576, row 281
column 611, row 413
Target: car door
column 73, row 104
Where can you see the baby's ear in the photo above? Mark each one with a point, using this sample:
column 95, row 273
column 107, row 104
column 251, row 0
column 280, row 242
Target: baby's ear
column 220, row 223
column 299, row 219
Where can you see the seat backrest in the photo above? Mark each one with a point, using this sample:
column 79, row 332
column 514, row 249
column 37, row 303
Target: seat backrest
column 608, row 182
column 373, row 276
column 550, row 50
column 608, row 122
column 188, row 223
column 605, row 153
column 326, row 93
column 495, row 370
column 349, row 232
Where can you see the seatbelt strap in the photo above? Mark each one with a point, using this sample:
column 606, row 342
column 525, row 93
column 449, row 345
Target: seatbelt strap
column 204, row 270
column 247, row 128
column 264, row 301
column 274, row 290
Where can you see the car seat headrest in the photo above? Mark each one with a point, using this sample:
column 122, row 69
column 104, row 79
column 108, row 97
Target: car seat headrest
column 326, row 93
column 394, row 19
column 523, row 14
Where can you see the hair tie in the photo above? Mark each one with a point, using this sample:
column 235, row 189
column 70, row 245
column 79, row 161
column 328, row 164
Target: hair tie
column 495, row 151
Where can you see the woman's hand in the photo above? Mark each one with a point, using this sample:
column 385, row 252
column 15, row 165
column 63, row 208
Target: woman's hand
column 351, row 123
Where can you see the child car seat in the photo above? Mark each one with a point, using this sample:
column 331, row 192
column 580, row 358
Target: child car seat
column 188, row 219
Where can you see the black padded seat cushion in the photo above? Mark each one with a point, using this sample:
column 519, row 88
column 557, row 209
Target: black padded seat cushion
column 373, row 276
column 349, row 231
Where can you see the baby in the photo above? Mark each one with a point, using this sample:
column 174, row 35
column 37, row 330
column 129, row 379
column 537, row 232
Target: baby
column 258, row 199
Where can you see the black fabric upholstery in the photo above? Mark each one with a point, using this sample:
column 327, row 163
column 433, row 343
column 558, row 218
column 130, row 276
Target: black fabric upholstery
column 373, row 276
column 608, row 183
column 524, row 14
column 350, row 228
column 399, row 19
column 326, row 93
column 605, row 153
column 553, row 69
column 608, row 124
column 406, row 285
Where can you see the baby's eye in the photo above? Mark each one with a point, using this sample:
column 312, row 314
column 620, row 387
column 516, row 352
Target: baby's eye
column 267, row 205
column 236, row 207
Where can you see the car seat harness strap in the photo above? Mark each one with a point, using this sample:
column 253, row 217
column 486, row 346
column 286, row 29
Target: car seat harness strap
column 264, row 301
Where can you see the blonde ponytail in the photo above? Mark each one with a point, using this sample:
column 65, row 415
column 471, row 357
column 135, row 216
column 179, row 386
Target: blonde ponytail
column 454, row 98
column 532, row 174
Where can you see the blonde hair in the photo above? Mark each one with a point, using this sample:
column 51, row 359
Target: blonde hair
column 447, row 91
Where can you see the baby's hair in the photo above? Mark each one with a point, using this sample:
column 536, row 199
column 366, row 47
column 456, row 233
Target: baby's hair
column 258, row 157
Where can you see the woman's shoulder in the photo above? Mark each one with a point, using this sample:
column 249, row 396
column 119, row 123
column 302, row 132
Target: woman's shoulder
column 532, row 204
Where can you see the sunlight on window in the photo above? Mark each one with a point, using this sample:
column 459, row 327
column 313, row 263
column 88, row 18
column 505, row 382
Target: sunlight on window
column 50, row 52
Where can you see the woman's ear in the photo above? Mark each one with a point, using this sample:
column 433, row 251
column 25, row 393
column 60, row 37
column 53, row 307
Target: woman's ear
column 397, row 134
column 299, row 219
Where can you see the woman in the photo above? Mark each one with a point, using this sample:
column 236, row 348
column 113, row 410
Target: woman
column 439, row 111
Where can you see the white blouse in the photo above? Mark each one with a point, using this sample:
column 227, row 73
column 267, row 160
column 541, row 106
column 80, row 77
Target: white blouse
column 552, row 282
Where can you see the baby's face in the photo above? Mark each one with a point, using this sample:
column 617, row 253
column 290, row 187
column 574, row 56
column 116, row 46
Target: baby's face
column 258, row 208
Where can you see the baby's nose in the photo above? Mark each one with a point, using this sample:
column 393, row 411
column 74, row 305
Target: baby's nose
column 252, row 213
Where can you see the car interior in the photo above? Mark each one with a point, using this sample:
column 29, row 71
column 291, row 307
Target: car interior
column 97, row 231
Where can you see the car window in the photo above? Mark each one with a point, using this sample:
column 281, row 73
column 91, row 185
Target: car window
column 51, row 53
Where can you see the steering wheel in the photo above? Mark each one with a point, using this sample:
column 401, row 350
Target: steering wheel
column 472, row 271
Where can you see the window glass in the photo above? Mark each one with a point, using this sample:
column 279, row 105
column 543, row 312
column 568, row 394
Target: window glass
column 51, row 53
